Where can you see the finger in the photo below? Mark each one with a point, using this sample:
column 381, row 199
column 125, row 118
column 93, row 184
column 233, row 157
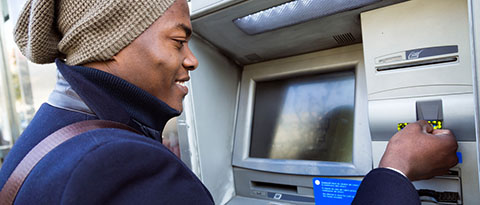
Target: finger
column 448, row 137
column 442, row 132
column 426, row 127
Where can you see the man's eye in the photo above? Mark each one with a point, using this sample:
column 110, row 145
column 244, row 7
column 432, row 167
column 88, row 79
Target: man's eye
column 180, row 42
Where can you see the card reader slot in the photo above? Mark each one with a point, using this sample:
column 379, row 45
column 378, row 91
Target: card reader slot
column 418, row 63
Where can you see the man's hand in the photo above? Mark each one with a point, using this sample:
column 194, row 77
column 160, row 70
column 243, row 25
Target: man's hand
column 421, row 152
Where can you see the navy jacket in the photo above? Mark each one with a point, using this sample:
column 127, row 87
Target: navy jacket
column 104, row 166
column 385, row 186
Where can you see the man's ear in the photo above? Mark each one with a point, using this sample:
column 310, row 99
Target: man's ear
column 114, row 62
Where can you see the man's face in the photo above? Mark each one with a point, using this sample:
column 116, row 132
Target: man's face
column 158, row 61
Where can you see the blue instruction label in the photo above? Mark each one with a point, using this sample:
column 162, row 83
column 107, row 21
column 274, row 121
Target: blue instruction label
column 334, row 191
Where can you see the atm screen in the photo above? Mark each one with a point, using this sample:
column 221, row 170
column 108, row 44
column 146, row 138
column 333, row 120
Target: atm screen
column 304, row 118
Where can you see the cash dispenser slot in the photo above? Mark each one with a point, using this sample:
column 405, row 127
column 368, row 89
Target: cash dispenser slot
column 444, row 189
column 273, row 186
column 281, row 192
column 427, row 195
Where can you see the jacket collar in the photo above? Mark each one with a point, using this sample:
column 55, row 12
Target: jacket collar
column 111, row 98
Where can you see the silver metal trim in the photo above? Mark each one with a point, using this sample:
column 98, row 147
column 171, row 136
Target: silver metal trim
column 474, row 36
column 187, row 134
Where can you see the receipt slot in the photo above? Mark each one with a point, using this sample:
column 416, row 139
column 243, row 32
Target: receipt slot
column 419, row 68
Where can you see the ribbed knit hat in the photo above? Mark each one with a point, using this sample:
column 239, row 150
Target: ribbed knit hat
column 83, row 31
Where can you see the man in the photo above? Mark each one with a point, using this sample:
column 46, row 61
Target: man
column 125, row 61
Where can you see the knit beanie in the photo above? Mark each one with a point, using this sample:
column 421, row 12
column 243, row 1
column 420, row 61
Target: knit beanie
column 83, row 31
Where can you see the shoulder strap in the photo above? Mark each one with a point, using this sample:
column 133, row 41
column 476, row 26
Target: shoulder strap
column 15, row 181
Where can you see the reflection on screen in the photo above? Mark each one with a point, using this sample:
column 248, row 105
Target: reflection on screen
column 304, row 118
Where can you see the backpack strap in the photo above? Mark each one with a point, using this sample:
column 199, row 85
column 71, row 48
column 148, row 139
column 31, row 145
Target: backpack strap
column 16, row 179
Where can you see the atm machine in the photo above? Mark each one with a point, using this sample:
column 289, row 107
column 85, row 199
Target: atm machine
column 271, row 108
column 419, row 67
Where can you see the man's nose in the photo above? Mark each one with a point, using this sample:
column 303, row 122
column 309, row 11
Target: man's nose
column 191, row 62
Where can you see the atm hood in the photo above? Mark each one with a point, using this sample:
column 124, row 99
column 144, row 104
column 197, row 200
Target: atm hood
column 326, row 32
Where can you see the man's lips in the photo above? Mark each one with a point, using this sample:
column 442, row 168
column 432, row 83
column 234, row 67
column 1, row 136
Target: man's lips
column 181, row 84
